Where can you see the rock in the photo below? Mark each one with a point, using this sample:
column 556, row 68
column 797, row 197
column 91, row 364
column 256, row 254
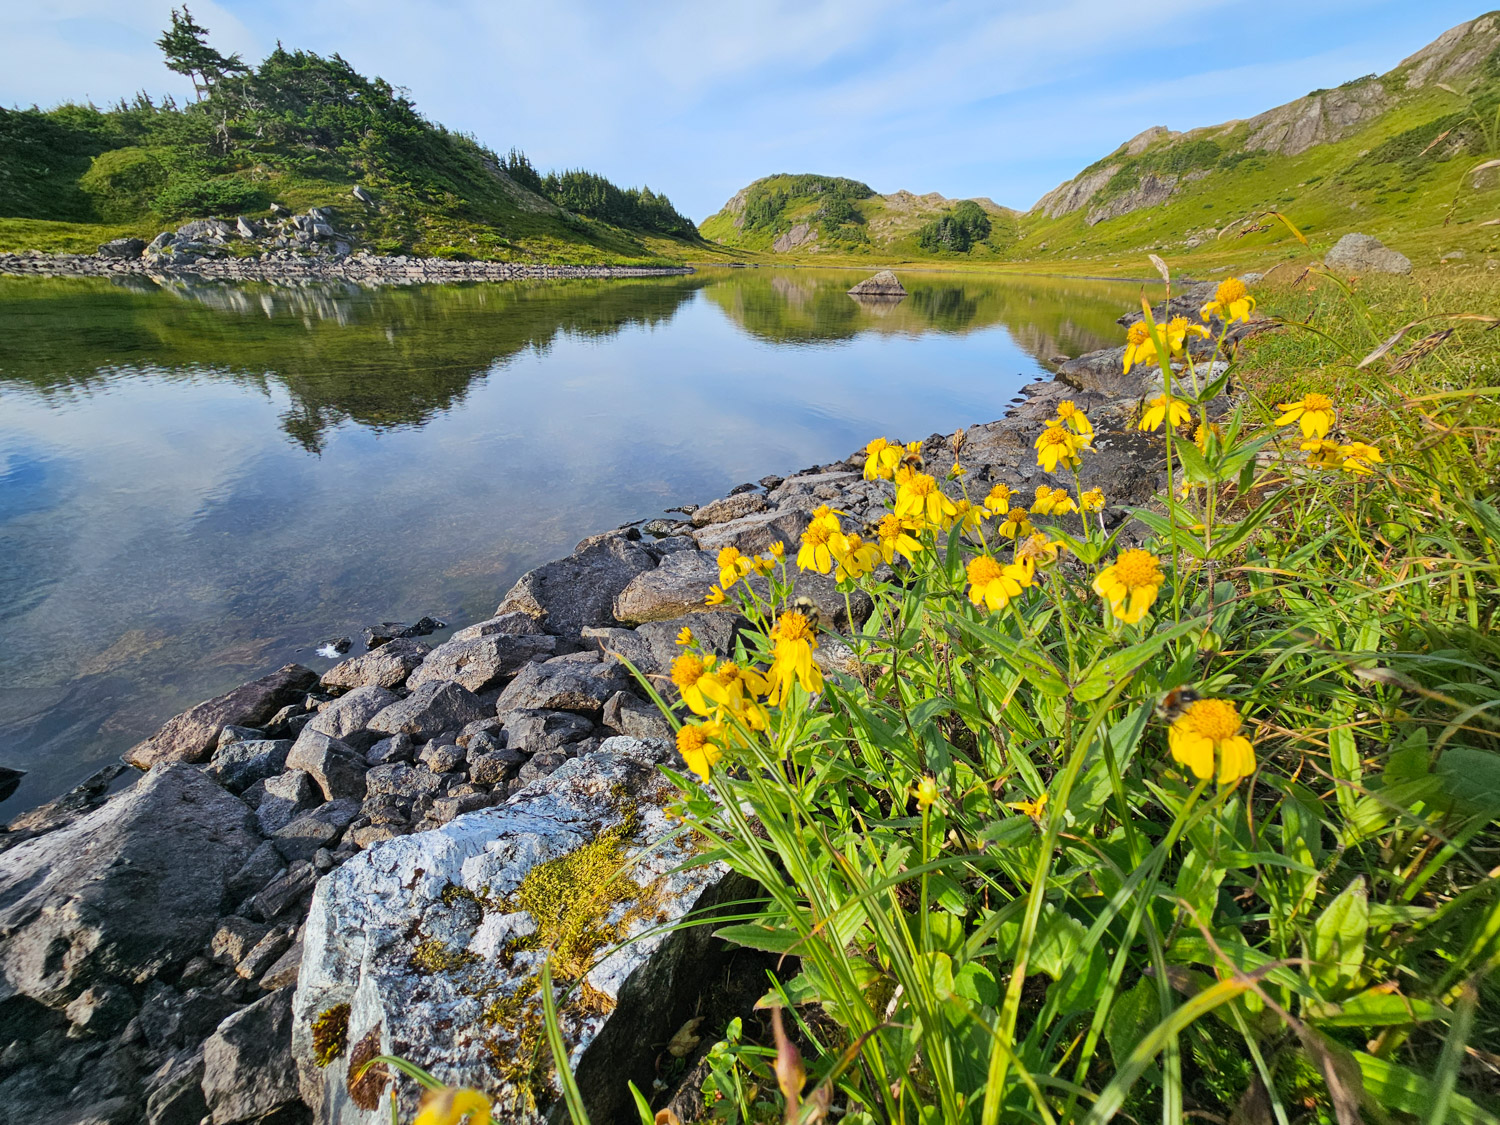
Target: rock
column 204, row 230
column 350, row 714
column 631, row 715
column 124, row 893
column 883, row 284
column 321, row 828
column 234, row 938
column 1361, row 254
column 10, row 779
column 515, row 623
column 100, row 1009
column 483, row 661
column 442, row 757
column 676, row 587
column 175, row 1091
column 397, row 748
column 377, row 635
column 170, row 1018
column 387, row 666
column 652, row 647
column 562, row 684
column 337, row 768
column 190, row 736
column 370, row 915
column 246, row 228
column 124, row 248
column 283, row 892
column 247, row 1062
column 400, row 779
column 265, row 953
column 571, row 593
column 362, row 195
column 445, row 809
column 731, row 507
column 286, row 796
column 283, row 973
column 436, row 706
column 265, row 863
column 493, row 767
column 240, row 765
column 535, row 732
column 754, row 534
column 801, row 234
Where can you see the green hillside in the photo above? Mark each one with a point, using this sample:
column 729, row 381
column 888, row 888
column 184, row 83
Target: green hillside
column 829, row 216
column 299, row 130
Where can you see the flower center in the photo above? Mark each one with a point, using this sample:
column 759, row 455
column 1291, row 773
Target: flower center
column 1137, row 568
column 1056, row 435
column 1229, row 291
column 855, row 541
column 793, row 627
column 983, row 570
column 1066, row 409
column 686, row 669
column 817, row 533
column 1215, row 719
column 691, row 739
column 923, row 484
column 890, row 527
column 728, row 557
column 1316, row 401
column 1138, row 334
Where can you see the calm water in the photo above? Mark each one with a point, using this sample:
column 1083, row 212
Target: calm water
column 200, row 482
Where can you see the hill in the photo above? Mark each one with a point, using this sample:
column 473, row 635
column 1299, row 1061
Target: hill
column 830, row 215
column 300, row 130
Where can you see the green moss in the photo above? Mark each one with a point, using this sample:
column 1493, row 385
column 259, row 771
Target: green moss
column 432, row 956
column 330, row 1034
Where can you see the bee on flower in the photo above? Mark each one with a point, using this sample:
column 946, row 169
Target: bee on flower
column 793, row 639
column 857, row 558
column 1017, row 522
column 1056, row 446
column 822, row 542
column 881, row 459
column 993, row 585
column 1313, row 412
column 1074, row 419
column 699, row 746
column 1232, row 302
column 1165, row 408
column 1207, row 735
column 894, row 538
column 920, row 500
column 997, row 503
column 1130, row 584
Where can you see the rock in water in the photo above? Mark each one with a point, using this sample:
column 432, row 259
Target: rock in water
column 10, row 778
column 124, row 893
column 426, row 939
column 883, row 284
column 1362, row 253
column 193, row 734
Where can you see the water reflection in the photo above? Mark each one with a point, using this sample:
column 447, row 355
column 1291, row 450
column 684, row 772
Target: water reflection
column 199, row 481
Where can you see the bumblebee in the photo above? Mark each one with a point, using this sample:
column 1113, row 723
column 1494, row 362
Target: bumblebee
column 809, row 609
column 1175, row 702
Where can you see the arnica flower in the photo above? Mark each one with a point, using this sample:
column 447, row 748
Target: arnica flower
column 1165, row 408
column 733, row 566
column 1052, row 502
column 715, row 596
column 736, row 690
column 1130, row 584
column 778, row 550
column 993, row 585
column 857, row 558
column 881, row 459
column 894, row 538
column 1208, row 732
column 685, row 636
column 819, row 541
column 957, row 471
column 1033, row 809
column 1231, row 302
column 449, row 1106
column 1017, row 522
column 696, row 743
column 921, row 500
column 1039, row 550
column 1359, row 458
column 1139, row 346
column 925, row 793
column 1203, row 432
column 1178, row 329
column 967, row 515
column 1313, row 412
column 1092, row 500
column 1055, row 446
column 997, row 503
column 1074, row 419
column 791, row 657
column 688, row 670
column 1323, row 454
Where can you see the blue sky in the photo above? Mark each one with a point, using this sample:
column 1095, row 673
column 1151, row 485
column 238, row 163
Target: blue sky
column 1004, row 99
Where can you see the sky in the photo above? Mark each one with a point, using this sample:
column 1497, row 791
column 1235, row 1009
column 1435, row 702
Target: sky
column 696, row 99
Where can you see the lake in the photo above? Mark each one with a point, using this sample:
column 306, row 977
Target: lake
column 202, row 481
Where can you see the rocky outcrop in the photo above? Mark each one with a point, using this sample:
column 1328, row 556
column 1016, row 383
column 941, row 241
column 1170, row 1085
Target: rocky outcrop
column 192, row 735
column 802, row 234
column 883, row 284
column 1362, row 254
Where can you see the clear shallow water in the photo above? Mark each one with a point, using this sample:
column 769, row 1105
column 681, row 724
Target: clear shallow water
column 199, row 483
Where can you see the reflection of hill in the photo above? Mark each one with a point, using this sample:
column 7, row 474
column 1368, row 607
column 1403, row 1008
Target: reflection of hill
column 383, row 358
column 1045, row 316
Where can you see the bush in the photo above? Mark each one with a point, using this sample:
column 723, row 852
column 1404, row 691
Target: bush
column 957, row 229
column 124, row 183
column 224, row 195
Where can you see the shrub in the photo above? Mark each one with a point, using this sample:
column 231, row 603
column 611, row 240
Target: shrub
column 185, row 197
column 957, row 229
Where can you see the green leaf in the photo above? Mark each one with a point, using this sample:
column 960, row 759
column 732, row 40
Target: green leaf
column 757, row 935
column 1471, row 777
column 1338, row 945
column 1134, row 1014
column 975, row 982
column 1375, row 1007
column 1393, row 1086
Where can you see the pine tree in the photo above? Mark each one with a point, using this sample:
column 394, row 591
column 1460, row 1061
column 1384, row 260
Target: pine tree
column 185, row 45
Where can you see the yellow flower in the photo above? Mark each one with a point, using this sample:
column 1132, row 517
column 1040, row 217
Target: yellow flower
column 857, row 558
column 920, row 499
column 1324, row 454
column 1052, row 502
column 733, row 566
column 1130, row 584
column 881, row 459
column 1202, row 434
column 1208, row 730
column 715, row 596
column 1231, row 302
column 997, row 503
column 993, row 585
column 687, row 672
column 820, row 542
column 1313, row 412
column 1070, row 416
column 1092, row 500
column 685, row 637
column 1039, row 550
column 1359, row 457
column 1139, row 346
column 966, row 515
column 1033, row 809
column 695, row 742
column 925, row 792
column 894, row 539
column 957, row 470
column 449, row 1107
column 735, row 689
column 1017, row 521
column 1165, row 408
column 791, row 657
column 1055, row 445
column 1177, row 331
column 778, row 550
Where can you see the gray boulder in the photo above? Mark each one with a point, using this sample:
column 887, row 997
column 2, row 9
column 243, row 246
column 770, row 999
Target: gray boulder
column 538, row 732
column 562, row 684
column 287, row 795
column 1362, row 253
column 124, row 893
column 204, row 230
column 516, row 623
column 350, row 714
column 321, row 828
column 123, row 248
column 247, row 1063
column 386, row 666
column 729, row 508
column 436, row 706
column 756, row 533
column 483, row 661
column 336, row 767
column 362, row 195
column 571, row 593
column 239, row 765
column 628, row 714
column 191, row 735
column 676, row 587
column 883, row 284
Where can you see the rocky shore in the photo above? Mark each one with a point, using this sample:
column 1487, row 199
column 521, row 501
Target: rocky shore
column 312, row 870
